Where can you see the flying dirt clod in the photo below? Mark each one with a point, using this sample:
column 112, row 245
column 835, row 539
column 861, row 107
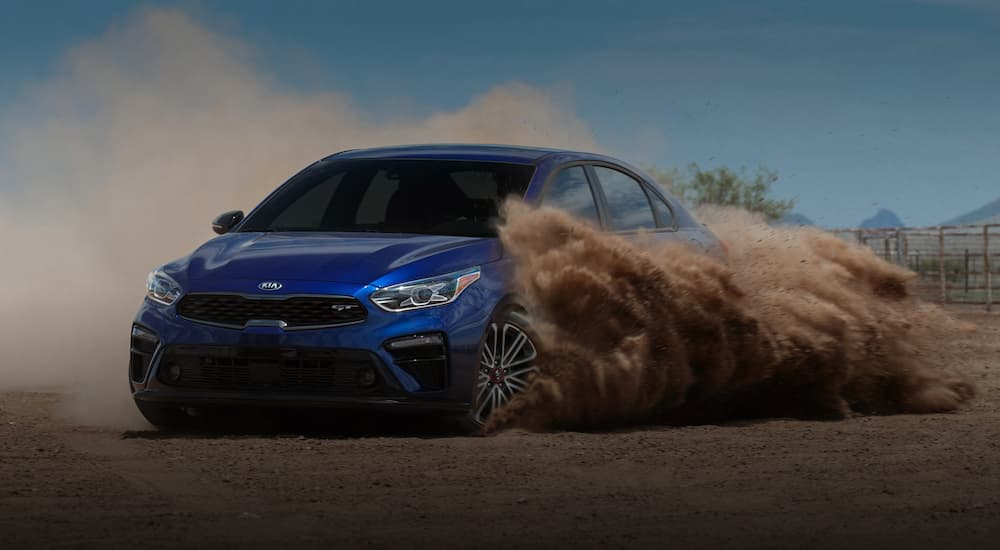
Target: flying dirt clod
column 796, row 323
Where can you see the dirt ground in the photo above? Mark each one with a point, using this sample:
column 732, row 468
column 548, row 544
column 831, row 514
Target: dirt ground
column 867, row 482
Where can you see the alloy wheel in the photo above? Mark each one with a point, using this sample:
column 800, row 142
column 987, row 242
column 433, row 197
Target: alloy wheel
column 505, row 368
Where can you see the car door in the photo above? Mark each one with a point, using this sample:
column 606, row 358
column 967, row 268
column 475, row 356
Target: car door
column 570, row 189
column 629, row 206
column 621, row 195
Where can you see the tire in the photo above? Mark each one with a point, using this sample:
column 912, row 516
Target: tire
column 165, row 417
column 507, row 355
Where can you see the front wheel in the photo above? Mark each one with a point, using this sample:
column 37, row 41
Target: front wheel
column 506, row 363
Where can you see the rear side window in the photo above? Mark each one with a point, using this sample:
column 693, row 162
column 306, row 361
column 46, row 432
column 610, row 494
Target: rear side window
column 628, row 205
column 662, row 211
column 571, row 192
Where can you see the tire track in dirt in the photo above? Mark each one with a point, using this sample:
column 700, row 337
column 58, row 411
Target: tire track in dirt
column 155, row 476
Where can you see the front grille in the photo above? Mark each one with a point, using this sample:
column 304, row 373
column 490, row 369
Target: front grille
column 304, row 370
column 233, row 310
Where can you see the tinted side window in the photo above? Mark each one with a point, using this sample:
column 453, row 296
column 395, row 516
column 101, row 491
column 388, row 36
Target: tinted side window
column 570, row 191
column 628, row 205
column 663, row 211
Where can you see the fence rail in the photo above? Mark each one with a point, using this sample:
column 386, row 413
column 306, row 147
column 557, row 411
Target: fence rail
column 953, row 263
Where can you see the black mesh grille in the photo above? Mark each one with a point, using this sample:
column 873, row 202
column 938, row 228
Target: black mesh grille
column 300, row 311
column 273, row 370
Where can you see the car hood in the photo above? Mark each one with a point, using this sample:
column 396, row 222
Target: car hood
column 360, row 258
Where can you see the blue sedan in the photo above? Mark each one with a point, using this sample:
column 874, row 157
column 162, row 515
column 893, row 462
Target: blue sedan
column 374, row 279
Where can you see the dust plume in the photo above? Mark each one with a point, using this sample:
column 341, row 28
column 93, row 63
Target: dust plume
column 797, row 323
column 118, row 163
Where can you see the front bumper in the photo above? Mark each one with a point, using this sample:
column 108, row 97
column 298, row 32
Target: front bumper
column 401, row 387
column 201, row 375
column 243, row 399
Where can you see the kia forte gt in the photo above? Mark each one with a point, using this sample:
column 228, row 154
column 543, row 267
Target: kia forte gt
column 374, row 279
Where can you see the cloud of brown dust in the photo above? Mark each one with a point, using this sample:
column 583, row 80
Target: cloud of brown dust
column 798, row 323
column 119, row 162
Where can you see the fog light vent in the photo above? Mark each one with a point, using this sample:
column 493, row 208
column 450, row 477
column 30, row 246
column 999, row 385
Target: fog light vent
column 367, row 377
column 423, row 356
column 173, row 373
column 143, row 345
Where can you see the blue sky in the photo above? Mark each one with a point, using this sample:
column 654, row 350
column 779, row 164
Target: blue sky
column 857, row 104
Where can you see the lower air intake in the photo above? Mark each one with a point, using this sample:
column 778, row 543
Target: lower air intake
column 321, row 371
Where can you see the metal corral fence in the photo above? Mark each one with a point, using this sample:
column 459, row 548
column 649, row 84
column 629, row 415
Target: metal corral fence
column 954, row 264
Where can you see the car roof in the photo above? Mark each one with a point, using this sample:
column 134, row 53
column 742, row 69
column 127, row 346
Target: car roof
column 464, row 151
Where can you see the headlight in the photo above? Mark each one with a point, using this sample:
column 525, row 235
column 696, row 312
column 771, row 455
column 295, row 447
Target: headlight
column 430, row 292
column 161, row 288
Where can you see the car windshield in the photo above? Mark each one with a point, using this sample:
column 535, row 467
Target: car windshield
column 434, row 197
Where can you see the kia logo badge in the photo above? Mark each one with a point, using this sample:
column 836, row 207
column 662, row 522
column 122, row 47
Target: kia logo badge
column 269, row 285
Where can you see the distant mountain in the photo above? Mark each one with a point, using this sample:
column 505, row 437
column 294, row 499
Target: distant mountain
column 984, row 214
column 882, row 218
column 794, row 218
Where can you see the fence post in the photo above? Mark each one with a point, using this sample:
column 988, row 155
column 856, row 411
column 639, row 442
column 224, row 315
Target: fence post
column 941, row 273
column 899, row 247
column 966, row 272
column 986, row 268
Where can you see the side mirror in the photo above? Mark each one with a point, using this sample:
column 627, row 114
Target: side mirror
column 227, row 221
